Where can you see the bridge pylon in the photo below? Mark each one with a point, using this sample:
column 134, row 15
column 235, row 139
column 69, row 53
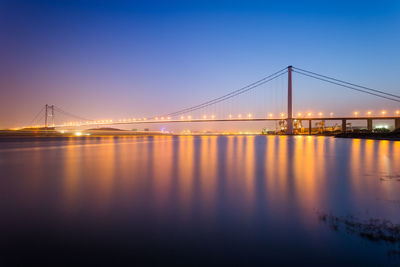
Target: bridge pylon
column 49, row 116
column 289, row 121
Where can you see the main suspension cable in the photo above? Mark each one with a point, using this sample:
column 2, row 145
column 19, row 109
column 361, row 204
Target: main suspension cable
column 71, row 115
column 37, row 115
column 231, row 94
column 348, row 83
column 347, row 86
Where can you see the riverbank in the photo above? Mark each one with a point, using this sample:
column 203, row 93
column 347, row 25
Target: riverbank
column 391, row 136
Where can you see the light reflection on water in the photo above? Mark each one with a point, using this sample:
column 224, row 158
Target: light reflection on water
column 194, row 195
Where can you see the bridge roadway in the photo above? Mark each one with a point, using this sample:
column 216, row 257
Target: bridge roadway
column 344, row 120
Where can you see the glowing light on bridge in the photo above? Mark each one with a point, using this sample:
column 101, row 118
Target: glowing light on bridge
column 299, row 114
column 230, row 116
column 239, row 116
column 212, row 116
column 249, row 115
column 309, row 114
column 270, row 115
column 189, row 117
column 397, row 112
column 204, row 117
column 356, row 113
column 182, row 117
column 383, row 112
column 369, row 113
column 331, row 114
column 320, row 114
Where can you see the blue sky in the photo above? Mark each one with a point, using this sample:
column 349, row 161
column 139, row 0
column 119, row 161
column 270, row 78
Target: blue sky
column 115, row 59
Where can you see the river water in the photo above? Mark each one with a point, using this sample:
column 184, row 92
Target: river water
column 195, row 200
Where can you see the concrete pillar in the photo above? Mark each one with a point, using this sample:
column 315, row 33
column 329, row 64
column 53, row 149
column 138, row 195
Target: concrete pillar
column 289, row 128
column 397, row 123
column 369, row 125
column 309, row 126
column 344, row 126
column 301, row 126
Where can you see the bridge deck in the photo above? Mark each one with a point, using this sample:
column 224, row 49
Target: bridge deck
column 241, row 120
column 261, row 119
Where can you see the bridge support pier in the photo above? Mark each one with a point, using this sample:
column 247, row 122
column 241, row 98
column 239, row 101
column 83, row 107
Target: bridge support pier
column 369, row 125
column 344, row 126
column 397, row 123
column 309, row 127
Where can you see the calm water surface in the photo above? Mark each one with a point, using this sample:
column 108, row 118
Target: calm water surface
column 194, row 200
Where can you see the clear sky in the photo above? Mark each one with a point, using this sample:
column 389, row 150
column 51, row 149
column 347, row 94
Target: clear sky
column 116, row 59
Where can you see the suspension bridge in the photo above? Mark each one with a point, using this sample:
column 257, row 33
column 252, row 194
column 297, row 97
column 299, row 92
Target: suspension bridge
column 289, row 121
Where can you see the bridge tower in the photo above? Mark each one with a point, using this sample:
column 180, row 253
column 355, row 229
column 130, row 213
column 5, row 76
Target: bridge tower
column 49, row 115
column 289, row 128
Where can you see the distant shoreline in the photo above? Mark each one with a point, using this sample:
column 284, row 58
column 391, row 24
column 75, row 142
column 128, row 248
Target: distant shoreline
column 29, row 136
